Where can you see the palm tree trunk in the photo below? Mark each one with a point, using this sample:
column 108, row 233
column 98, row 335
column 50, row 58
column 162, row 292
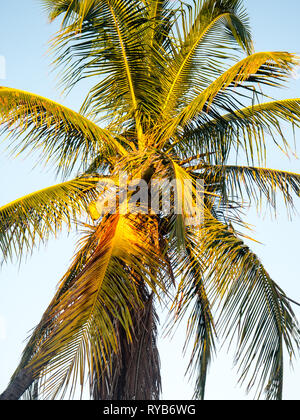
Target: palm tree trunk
column 135, row 370
column 18, row 385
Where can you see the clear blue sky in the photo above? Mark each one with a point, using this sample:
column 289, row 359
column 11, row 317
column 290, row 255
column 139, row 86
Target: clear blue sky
column 25, row 292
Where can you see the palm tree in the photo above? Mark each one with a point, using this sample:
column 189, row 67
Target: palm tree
column 177, row 96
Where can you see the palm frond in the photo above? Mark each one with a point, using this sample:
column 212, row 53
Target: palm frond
column 201, row 325
column 161, row 15
column 263, row 67
column 32, row 219
column 244, row 130
column 63, row 136
column 87, row 246
column 254, row 311
column 254, row 183
column 109, row 45
column 183, row 199
column 209, row 30
column 102, row 295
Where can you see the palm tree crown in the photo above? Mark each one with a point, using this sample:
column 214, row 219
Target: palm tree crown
column 177, row 96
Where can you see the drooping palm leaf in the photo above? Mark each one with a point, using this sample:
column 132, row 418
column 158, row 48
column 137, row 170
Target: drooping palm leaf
column 32, row 219
column 254, row 183
column 201, row 324
column 245, row 131
column 254, row 310
column 30, row 389
column 61, row 135
column 102, row 294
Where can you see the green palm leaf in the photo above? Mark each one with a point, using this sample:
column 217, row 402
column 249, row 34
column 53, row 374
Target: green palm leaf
column 103, row 293
column 201, row 324
column 254, row 183
column 265, row 67
column 254, row 310
column 245, row 130
column 216, row 24
column 60, row 135
column 32, row 219
column 110, row 48
column 87, row 246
